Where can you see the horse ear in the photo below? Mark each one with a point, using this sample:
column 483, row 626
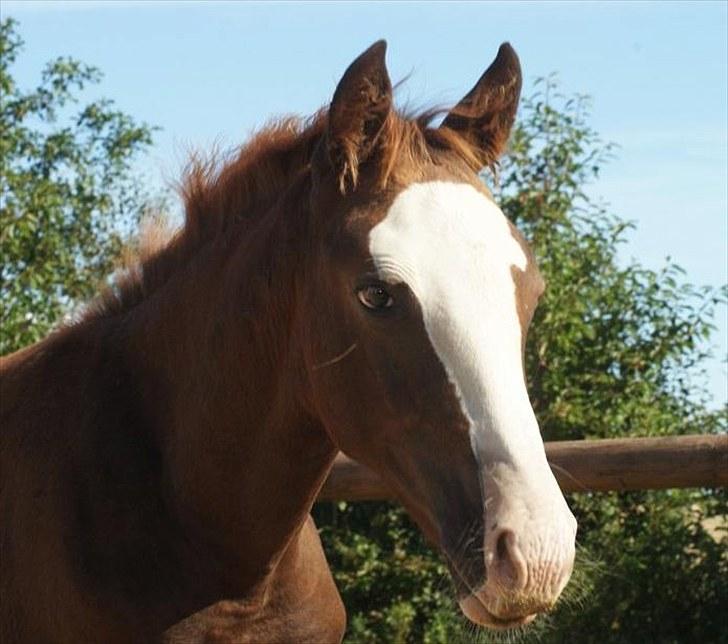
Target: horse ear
column 359, row 110
column 486, row 114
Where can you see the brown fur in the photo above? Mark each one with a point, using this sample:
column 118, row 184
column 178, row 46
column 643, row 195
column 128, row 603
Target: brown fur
column 160, row 456
column 236, row 194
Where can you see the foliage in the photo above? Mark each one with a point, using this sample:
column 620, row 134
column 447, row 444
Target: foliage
column 613, row 351
column 67, row 194
column 394, row 586
column 602, row 333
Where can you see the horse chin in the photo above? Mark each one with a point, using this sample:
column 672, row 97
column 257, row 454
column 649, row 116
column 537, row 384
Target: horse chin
column 476, row 612
column 473, row 604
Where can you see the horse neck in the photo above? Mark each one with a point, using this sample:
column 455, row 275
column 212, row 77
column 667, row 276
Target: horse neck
column 243, row 457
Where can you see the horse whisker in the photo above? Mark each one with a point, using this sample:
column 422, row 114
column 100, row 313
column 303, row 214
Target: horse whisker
column 566, row 472
column 336, row 359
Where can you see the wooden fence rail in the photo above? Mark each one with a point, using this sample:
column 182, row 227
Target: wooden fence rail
column 585, row 466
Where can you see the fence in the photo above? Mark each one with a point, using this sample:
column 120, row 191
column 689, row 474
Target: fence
column 585, row 466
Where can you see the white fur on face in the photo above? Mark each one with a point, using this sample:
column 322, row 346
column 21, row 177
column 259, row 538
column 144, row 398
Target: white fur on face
column 454, row 248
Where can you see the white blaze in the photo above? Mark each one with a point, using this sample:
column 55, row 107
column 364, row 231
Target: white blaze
column 455, row 250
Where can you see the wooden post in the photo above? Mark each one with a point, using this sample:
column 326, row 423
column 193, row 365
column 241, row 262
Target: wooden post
column 585, row 466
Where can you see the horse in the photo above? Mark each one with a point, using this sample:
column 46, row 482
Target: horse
column 346, row 282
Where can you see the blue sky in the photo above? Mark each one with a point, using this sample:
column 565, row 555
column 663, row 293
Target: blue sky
column 211, row 72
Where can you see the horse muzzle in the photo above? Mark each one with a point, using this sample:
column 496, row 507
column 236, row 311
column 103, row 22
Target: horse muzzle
column 525, row 575
column 528, row 550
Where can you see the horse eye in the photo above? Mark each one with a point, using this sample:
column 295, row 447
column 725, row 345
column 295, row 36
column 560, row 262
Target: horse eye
column 375, row 297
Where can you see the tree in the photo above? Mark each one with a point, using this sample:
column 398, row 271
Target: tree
column 613, row 351
column 68, row 195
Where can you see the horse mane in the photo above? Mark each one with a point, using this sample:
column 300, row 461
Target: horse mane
column 220, row 192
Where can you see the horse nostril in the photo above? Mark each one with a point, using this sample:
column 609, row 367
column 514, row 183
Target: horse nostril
column 508, row 566
column 501, row 546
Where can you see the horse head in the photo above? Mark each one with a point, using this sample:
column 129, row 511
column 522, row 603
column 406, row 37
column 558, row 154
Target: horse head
column 418, row 294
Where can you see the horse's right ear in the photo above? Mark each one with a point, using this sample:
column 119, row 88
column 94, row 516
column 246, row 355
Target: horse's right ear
column 359, row 110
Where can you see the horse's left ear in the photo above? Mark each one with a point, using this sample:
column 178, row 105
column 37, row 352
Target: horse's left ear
column 358, row 113
column 486, row 114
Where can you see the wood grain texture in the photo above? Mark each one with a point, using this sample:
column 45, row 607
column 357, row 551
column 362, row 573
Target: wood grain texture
column 585, row 466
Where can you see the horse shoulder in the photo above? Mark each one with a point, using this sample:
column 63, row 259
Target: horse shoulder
column 300, row 604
